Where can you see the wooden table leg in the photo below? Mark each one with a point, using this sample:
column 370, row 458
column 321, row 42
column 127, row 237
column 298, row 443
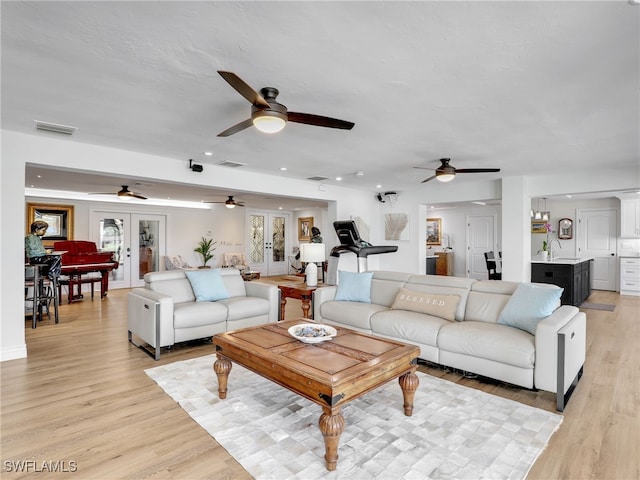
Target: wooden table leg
column 331, row 426
column 409, row 383
column 222, row 367
column 283, row 302
column 306, row 306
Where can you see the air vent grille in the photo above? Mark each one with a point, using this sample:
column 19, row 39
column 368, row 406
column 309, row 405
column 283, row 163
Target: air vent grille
column 55, row 127
column 318, row 179
column 228, row 163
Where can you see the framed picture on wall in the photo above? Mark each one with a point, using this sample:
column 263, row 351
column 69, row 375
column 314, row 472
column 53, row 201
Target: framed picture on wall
column 58, row 217
column 538, row 226
column 434, row 231
column 305, row 224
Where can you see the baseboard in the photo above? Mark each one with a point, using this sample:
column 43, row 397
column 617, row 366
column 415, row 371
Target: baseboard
column 13, row 353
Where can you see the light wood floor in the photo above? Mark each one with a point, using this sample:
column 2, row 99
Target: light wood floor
column 82, row 396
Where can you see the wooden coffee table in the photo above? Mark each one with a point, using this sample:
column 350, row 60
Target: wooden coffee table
column 330, row 373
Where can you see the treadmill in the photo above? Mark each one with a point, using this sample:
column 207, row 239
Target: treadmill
column 350, row 242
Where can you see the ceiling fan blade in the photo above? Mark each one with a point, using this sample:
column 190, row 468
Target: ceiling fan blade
column 425, row 168
column 319, row 120
column 476, row 170
column 243, row 88
column 427, row 179
column 137, row 195
column 102, row 193
column 236, row 128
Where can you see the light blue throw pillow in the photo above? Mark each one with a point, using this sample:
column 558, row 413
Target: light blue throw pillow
column 354, row 287
column 528, row 305
column 207, row 285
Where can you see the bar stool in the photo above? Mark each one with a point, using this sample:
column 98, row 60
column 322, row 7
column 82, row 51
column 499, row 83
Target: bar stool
column 45, row 291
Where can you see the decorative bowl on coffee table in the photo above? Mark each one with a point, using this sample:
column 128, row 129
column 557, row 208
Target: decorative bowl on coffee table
column 312, row 332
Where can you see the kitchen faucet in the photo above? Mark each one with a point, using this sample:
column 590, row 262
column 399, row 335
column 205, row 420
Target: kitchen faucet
column 551, row 247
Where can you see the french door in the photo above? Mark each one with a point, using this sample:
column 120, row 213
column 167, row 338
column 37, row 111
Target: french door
column 137, row 242
column 267, row 242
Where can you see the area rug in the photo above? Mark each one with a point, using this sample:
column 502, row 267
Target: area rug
column 598, row 306
column 455, row 431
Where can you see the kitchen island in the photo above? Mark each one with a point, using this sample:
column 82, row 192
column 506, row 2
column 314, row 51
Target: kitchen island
column 572, row 274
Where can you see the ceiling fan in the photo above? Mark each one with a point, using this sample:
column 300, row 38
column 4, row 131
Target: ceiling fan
column 124, row 194
column 230, row 203
column 269, row 116
column 446, row 172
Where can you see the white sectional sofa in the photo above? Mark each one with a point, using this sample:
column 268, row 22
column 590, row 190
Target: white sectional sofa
column 471, row 339
column 166, row 311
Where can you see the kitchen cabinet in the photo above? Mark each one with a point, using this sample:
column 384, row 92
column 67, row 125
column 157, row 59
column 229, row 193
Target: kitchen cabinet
column 444, row 263
column 629, row 276
column 630, row 218
column 573, row 276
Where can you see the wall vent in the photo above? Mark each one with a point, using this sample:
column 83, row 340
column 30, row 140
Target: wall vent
column 55, row 127
column 228, row 163
column 318, row 179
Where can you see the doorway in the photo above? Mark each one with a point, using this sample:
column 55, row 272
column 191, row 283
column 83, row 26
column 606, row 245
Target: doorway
column 137, row 242
column 481, row 238
column 596, row 236
column 267, row 234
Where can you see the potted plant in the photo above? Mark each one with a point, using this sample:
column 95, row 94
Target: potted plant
column 205, row 248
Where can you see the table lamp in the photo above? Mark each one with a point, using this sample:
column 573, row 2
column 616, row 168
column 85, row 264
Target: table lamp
column 310, row 253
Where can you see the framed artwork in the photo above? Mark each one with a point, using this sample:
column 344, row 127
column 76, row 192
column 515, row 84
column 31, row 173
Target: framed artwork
column 396, row 226
column 434, row 231
column 305, row 224
column 59, row 218
column 565, row 229
column 538, row 226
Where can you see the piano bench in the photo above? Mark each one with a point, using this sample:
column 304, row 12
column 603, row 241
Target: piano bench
column 71, row 281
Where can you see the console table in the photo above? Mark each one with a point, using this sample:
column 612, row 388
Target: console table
column 299, row 290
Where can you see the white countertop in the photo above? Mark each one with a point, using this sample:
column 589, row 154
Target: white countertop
column 563, row 260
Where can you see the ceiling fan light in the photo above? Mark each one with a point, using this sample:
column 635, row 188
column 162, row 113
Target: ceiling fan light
column 267, row 122
column 230, row 205
column 445, row 177
column 124, row 198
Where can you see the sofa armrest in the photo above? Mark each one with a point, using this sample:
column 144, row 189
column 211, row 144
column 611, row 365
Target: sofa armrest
column 566, row 318
column 321, row 295
column 268, row 292
column 150, row 317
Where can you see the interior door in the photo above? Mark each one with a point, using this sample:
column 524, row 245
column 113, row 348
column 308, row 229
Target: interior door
column 268, row 242
column 596, row 235
column 137, row 242
column 481, row 238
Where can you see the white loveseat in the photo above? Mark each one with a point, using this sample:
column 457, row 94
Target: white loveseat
column 472, row 340
column 166, row 312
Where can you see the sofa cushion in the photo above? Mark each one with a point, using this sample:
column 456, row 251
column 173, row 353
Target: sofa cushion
column 490, row 341
column 207, row 285
column 354, row 287
column 529, row 305
column 407, row 325
column 245, row 307
column 197, row 314
column 443, row 306
column 350, row 314
column 234, row 282
column 173, row 283
column 485, row 307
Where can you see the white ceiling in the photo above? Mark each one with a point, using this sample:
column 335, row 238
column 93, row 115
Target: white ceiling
column 522, row 86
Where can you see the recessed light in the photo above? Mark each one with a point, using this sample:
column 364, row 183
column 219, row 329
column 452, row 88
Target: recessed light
column 339, row 179
column 479, row 203
column 208, row 154
column 283, row 169
column 378, row 186
column 359, row 174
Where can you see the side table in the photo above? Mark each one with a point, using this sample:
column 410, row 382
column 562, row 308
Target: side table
column 301, row 291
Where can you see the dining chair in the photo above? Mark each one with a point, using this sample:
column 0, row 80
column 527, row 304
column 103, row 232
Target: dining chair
column 490, row 260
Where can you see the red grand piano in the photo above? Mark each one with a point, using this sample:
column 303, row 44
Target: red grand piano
column 81, row 258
